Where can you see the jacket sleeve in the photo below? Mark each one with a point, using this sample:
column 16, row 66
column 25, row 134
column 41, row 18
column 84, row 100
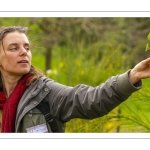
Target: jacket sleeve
column 86, row 102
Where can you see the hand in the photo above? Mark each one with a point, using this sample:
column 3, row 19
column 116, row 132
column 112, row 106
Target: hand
column 140, row 71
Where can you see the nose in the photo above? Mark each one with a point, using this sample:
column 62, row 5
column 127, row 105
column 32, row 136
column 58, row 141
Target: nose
column 23, row 51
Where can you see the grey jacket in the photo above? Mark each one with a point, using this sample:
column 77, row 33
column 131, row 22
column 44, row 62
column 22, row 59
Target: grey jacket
column 67, row 102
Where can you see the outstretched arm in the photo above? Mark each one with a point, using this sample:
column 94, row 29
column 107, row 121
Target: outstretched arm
column 140, row 71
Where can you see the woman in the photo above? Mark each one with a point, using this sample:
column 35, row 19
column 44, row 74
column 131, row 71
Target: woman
column 22, row 88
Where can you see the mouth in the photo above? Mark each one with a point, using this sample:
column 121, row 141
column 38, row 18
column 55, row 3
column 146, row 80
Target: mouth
column 23, row 61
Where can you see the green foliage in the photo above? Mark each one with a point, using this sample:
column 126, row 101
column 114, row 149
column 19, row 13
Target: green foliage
column 136, row 112
column 38, row 61
column 147, row 45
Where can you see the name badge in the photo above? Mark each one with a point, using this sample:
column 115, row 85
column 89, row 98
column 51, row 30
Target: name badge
column 42, row 128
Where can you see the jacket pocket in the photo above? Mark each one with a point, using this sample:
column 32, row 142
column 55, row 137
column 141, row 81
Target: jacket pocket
column 33, row 119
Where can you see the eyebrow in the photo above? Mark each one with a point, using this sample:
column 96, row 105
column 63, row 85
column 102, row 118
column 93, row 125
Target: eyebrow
column 26, row 44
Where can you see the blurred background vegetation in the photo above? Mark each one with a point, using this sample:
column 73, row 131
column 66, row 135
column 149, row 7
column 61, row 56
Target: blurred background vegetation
column 88, row 51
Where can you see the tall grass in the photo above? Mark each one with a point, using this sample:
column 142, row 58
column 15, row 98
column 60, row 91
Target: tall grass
column 136, row 110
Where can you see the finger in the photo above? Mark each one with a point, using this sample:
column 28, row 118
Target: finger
column 147, row 60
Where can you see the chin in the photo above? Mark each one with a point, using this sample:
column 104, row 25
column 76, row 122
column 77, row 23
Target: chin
column 23, row 72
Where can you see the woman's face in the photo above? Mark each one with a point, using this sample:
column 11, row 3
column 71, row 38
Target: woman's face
column 15, row 54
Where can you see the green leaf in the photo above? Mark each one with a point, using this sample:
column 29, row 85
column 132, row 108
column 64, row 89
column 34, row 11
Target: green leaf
column 148, row 36
column 147, row 47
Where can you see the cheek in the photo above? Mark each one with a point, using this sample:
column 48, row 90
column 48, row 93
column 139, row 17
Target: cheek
column 30, row 56
column 1, row 56
column 6, row 60
column 1, row 59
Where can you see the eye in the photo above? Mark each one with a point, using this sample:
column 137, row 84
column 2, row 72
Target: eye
column 13, row 48
column 27, row 48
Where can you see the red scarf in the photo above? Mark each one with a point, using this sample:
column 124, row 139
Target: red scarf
column 9, row 106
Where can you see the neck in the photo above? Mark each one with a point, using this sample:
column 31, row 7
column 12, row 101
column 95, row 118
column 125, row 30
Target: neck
column 9, row 83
